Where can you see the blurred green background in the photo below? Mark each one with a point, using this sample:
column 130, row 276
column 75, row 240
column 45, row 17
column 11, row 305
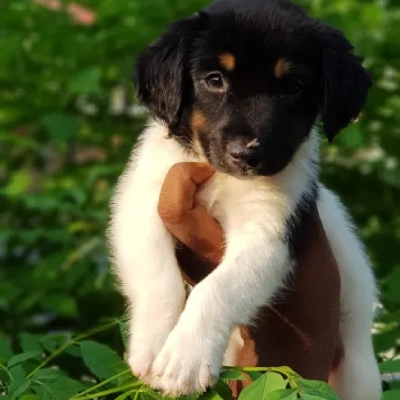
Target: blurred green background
column 68, row 119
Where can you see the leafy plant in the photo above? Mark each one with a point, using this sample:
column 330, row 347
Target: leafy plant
column 35, row 374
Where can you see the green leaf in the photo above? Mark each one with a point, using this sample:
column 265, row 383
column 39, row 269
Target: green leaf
column 86, row 82
column 61, row 304
column 20, row 358
column 212, row 395
column 273, row 381
column 223, row 390
column 29, row 397
column 391, row 395
column 316, row 388
column 48, row 374
column 100, row 359
column 282, row 394
column 287, row 371
column 60, row 389
column 124, row 396
column 61, row 127
column 52, row 343
column 353, row 137
column 123, row 329
column 16, row 391
column 30, row 343
column 74, row 351
column 19, row 383
column 390, row 366
column 193, row 396
column 232, row 375
column 149, row 396
column 269, row 382
column 18, row 184
column 5, row 349
column 254, row 375
column 312, row 397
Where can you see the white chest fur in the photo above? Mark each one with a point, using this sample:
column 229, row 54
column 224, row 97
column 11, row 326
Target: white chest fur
column 235, row 202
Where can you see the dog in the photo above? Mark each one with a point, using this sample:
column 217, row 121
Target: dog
column 240, row 85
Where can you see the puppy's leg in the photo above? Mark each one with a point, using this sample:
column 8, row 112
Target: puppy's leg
column 147, row 269
column 254, row 267
column 357, row 376
column 144, row 251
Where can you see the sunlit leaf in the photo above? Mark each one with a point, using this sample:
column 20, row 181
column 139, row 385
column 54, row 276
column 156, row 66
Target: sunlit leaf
column 264, row 385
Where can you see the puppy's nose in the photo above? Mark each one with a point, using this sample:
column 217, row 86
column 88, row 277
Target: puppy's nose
column 244, row 150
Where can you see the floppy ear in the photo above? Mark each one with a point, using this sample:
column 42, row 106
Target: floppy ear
column 162, row 71
column 345, row 83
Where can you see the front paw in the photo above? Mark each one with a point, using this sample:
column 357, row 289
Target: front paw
column 188, row 363
column 148, row 335
column 143, row 351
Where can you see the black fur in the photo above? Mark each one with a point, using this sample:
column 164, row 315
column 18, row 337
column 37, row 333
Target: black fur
column 162, row 77
column 345, row 83
column 173, row 80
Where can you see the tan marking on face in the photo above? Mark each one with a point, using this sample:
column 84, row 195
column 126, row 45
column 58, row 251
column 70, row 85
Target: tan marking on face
column 198, row 122
column 282, row 66
column 227, row 60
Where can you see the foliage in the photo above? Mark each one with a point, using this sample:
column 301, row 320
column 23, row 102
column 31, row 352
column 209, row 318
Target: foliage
column 68, row 119
column 27, row 376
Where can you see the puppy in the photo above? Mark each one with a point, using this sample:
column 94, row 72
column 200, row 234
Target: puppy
column 239, row 85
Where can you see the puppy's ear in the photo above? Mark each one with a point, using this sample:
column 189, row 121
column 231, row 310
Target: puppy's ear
column 162, row 71
column 345, row 83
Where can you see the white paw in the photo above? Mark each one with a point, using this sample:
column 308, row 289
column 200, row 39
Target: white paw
column 151, row 323
column 142, row 353
column 188, row 363
column 147, row 339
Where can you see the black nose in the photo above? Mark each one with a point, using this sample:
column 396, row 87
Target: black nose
column 244, row 150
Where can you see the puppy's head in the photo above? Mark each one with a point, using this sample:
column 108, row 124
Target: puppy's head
column 243, row 85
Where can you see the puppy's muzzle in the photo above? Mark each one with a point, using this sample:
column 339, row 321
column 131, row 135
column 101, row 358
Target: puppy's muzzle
column 244, row 151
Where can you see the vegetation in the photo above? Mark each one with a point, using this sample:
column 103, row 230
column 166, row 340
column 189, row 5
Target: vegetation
column 68, row 119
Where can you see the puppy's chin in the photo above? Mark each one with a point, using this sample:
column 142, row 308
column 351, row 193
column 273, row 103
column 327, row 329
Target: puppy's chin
column 241, row 170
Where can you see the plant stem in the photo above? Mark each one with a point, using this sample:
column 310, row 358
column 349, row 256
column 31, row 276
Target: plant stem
column 5, row 369
column 249, row 369
column 106, row 392
column 99, row 385
column 93, row 331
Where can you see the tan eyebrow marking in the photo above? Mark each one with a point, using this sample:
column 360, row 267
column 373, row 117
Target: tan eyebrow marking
column 281, row 67
column 228, row 61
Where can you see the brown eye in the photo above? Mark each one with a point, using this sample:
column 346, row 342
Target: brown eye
column 215, row 81
column 292, row 88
